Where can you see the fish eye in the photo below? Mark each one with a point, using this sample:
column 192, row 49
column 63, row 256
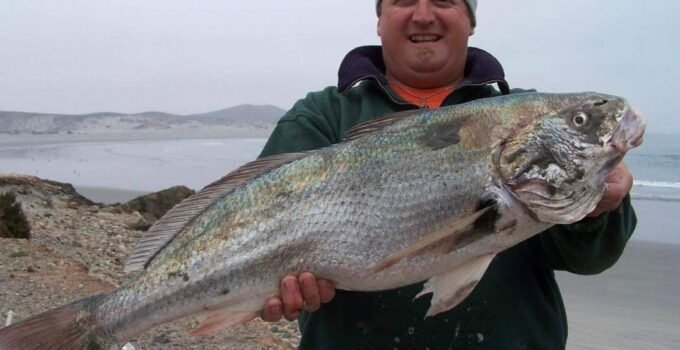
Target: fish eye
column 580, row 119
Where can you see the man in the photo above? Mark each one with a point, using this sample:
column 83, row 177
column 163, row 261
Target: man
column 424, row 61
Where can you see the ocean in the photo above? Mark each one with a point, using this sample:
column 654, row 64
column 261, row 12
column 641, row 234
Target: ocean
column 146, row 166
column 656, row 165
column 141, row 166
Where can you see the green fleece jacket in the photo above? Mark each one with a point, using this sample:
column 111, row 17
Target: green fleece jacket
column 516, row 305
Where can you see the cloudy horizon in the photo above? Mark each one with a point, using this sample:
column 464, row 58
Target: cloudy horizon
column 76, row 57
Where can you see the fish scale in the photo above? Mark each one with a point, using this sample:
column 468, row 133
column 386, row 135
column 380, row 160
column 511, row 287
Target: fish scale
column 427, row 195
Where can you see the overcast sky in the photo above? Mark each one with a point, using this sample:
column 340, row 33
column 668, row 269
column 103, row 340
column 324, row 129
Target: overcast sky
column 82, row 56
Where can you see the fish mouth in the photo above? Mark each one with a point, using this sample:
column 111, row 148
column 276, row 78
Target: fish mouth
column 637, row 139
column 629, row 133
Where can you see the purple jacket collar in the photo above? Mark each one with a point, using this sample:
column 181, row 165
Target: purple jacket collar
column 366, row 62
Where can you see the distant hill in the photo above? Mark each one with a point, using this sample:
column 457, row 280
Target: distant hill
column 12, row 122
column 242, row 113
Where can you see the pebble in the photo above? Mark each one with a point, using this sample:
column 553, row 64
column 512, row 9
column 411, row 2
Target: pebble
column 73, row 233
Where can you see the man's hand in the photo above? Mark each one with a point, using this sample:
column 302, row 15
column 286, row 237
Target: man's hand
column 619, row 182
column 298, row 292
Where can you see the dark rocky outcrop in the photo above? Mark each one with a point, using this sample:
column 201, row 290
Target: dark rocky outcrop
column 24, row 185
column 13, row 222
column 78, row 248
column 154, row 205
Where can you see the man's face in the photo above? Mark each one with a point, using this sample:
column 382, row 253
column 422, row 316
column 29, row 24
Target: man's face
column 424, row 41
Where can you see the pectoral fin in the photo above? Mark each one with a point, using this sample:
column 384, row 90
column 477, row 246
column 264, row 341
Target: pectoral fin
column 447, row 230
column 449, row 289
column 213, row 321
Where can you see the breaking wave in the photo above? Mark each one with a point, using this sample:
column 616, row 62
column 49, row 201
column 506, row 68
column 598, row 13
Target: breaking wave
column 654, row 197
column 657, row 184
column 665, row 191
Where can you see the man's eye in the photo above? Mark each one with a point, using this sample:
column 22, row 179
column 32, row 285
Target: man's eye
column 446, row 3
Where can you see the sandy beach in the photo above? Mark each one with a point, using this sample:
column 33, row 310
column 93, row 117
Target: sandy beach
column 120, row 134
column 634, row 305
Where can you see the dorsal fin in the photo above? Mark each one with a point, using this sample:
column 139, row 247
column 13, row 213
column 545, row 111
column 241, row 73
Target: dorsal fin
column 376, row 124
column 177, row 218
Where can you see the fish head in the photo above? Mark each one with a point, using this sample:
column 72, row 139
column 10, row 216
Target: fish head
column 556, row 164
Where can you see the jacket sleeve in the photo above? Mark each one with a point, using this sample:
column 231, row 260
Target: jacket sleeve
column 589, row 246
column 304, row 127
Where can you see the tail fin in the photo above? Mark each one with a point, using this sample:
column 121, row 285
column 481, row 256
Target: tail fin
column 59, row 329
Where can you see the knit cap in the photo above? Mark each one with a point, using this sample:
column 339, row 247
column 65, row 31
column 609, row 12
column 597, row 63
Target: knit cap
column 471, row 4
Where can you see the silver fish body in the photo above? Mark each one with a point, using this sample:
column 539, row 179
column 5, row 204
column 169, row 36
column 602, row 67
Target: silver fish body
column 432, row 195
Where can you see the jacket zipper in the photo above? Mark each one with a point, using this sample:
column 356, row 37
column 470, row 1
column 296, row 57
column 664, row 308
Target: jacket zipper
column 387, row 91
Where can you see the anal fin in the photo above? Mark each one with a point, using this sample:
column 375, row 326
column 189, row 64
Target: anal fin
column 450, row 288
column 213, row 321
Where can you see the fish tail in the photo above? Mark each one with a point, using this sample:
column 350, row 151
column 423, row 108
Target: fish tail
column 65, row 327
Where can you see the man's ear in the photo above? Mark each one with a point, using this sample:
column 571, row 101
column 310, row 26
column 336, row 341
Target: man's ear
column 378, row 27
column 472, row 31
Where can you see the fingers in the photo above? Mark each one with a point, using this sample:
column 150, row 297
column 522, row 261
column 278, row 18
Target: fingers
column 297, row 293
column 326, row 290
column 619, row 182
column 310, row 291
column 273, row 310
column 291, row 297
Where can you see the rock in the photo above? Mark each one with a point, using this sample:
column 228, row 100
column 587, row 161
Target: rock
column 13, row 222
column 141, row 224
column 154, row 205
column 161, row 339
column 76, row 251
column 44, row 189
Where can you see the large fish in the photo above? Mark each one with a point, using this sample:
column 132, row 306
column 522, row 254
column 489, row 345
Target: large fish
column 424, row 195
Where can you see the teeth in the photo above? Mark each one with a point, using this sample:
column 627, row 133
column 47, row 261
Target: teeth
column 424, row 37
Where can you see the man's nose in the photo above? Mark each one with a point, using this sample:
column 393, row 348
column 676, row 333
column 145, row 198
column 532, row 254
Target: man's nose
column 422, row 14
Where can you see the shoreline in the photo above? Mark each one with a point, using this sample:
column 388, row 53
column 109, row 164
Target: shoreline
column 107, row 195
column 217, row 132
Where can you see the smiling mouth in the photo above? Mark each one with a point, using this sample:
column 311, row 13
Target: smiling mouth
column 424, row 38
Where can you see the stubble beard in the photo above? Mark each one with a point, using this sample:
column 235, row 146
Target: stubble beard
column 424, row 54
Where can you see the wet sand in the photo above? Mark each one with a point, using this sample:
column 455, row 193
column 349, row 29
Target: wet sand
column 634, row 305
